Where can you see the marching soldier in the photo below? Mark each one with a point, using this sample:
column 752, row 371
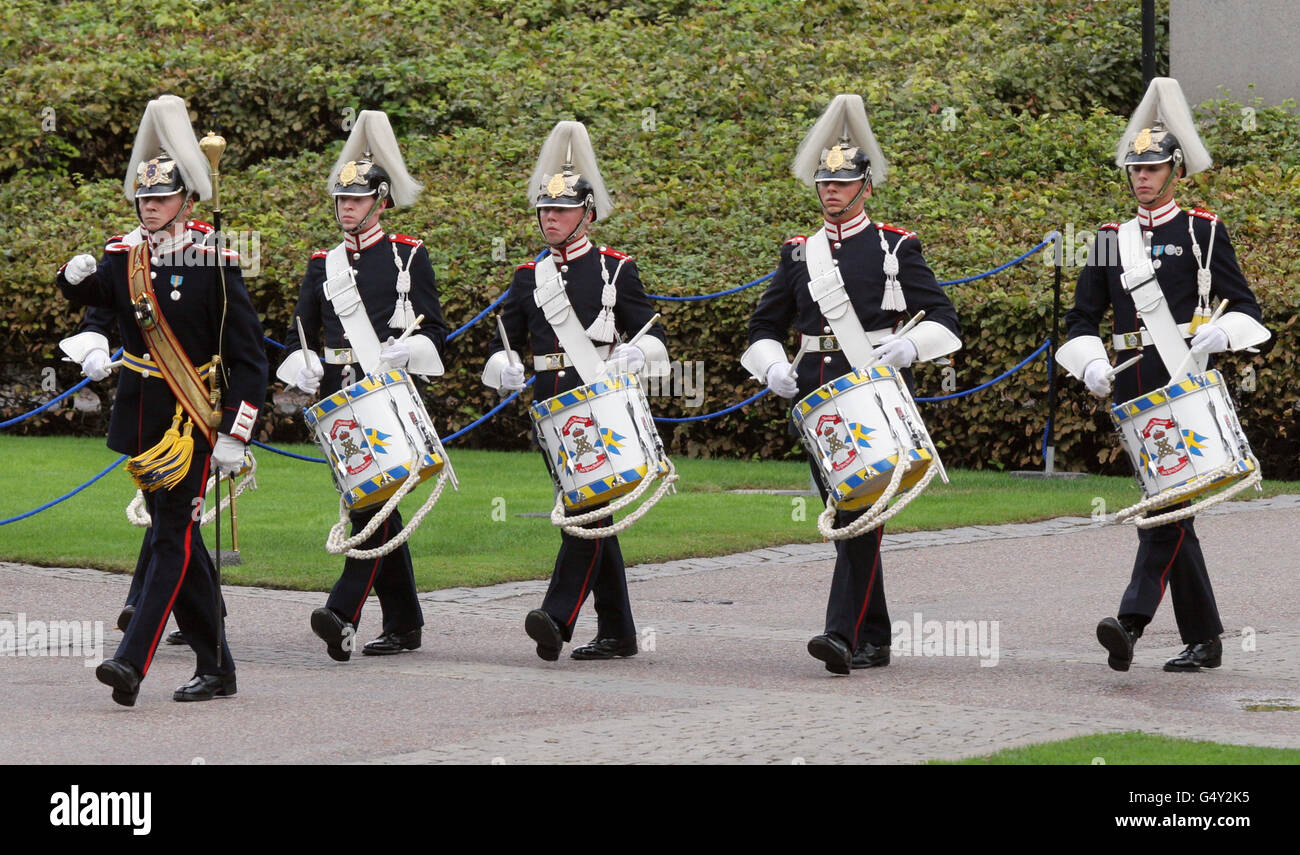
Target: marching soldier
column 393, row 278
column 603, row 289
column 884, row 278
column 193, row 382
column 92, row 343
column 1190, row 256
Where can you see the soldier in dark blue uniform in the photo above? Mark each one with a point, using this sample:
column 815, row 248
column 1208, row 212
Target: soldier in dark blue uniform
column 1192, row 256
column 394, row 278
column 91, row 343
column 604, row 289
column 194, row 289
column 887, row 280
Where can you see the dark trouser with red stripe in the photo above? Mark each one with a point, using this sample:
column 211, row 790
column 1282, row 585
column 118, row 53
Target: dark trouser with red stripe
column 178, row 577
column 1171, row 555
column 856, row 611
column 141, row 566
column 391, row 576
column 596, row 567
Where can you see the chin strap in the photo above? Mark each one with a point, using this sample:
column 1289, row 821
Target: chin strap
column 866, row 182
column 380, row 195
column 180, row 216
column 588, row 205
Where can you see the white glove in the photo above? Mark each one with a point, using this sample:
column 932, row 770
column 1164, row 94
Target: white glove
column 512, row 377
column 630, row 354
column 79, row 268
column 228, row 455
column 896, row 351
column 309, row 376
column 395, row 353
column 1209, row 338
column 1096, row 376
column 781, row 379
column 95, row 365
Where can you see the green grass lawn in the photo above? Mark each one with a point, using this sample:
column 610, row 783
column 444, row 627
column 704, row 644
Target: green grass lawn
column 1132, row 749
column 482, row 534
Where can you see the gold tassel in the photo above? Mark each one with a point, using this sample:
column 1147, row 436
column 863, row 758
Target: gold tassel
column 164, row 466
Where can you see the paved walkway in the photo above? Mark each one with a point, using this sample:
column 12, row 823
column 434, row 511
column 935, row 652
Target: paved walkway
column 725, row 677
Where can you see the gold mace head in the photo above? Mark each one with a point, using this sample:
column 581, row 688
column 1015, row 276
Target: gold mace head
column 213, row 146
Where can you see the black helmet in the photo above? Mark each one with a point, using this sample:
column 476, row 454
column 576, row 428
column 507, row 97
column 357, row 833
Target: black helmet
column 362, row 178
column 566, row 189
column 843, row 162
column 1154, row 145
column 158, row 176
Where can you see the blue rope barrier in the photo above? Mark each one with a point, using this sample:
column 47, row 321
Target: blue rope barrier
column 730, row 409
column 65, row 496
column 489, row 414
column 712, row 296
column 472, row 321
column 289, row 453
column 1051, row 236
column 43, row 407
column 1028, row 359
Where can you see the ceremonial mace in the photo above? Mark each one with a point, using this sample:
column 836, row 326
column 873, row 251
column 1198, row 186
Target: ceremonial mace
column 213, row 146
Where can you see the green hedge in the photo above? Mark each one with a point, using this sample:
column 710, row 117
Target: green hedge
column 999, row 123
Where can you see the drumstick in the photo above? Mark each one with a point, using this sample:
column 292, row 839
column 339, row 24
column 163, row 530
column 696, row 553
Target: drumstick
column 1125, row 364
column 915, row 319
column 645, row 329
column 798, row 357
column 1214, row 317
column 415, row 325
column 505, row 342
column 302, row 336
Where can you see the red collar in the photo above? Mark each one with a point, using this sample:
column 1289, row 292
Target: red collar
column 577, row 249
column 848, row 229
column 1149, row 217
column 365, row 240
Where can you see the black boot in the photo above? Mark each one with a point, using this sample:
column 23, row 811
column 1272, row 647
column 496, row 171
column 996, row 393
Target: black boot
column 1118, row 639
column 1198, row 655
column 870, row 656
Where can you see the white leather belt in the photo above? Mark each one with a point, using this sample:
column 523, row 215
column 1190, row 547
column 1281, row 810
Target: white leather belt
column 558, row 361
column 339, row 356
column 828, row 343
column 1142, row 338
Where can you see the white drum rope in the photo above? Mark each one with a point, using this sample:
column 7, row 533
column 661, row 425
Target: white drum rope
column 573, row 525
column 1169, row 497
column 876, row 515
column 138, row 514
column 337, row 544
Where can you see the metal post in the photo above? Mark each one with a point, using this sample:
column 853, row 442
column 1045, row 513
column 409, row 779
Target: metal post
column 1049, row 451
column 1148, row 42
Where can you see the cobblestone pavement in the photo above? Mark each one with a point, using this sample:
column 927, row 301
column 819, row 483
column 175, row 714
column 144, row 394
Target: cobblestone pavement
column 723, row 676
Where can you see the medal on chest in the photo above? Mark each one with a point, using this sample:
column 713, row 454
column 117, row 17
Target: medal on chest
column 176, row 287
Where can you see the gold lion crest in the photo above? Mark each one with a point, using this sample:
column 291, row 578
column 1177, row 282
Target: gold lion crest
column 561, row 184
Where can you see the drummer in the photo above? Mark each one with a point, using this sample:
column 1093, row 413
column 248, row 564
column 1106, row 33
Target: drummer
column 1196, row 267
column 394, row 277
column 887, row 281
column 604, row 289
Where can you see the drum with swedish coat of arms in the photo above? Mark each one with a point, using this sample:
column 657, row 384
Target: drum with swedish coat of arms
column 1182, row 431
column 857, row 427
column 370, row 433
column 599, row 440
